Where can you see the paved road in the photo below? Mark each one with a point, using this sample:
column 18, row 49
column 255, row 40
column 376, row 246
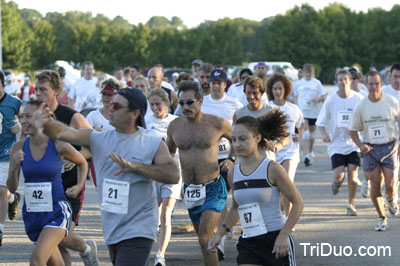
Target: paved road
column 323, row 224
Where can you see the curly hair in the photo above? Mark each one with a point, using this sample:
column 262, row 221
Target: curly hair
column 271, row 126
column 278, row 77
column 113, row 82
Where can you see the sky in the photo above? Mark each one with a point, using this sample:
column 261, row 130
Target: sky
column 191, row 12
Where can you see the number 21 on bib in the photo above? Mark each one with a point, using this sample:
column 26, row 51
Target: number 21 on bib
column 115, row 196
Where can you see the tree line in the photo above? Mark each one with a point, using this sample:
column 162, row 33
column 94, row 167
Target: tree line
column 331, row 37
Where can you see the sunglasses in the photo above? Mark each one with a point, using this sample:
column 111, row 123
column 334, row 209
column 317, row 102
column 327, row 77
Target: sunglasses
column 117, row 106
column 188, row 102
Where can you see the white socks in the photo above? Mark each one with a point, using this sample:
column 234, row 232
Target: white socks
column 11, row 199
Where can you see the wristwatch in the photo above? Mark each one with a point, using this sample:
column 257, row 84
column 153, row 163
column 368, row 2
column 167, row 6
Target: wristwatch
column 227, row 229
column 232, row 158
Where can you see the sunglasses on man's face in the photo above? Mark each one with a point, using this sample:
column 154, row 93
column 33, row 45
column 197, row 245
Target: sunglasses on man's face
column 188, row 102
column 117, row 106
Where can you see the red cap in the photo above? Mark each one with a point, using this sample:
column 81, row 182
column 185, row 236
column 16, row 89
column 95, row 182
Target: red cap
column 109, row 89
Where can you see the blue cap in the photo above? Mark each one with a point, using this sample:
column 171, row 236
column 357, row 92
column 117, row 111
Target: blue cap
column 262, row 64
column 218, row 74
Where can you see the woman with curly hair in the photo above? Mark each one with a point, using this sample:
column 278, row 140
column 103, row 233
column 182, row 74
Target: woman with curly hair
column 257, row 184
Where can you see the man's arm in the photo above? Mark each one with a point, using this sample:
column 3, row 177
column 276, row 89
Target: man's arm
column 170, row 141
column 78, row 121
column 164, row 168
column 364, row 148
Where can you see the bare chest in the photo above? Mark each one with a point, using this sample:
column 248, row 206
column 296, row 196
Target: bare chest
column 196, row 137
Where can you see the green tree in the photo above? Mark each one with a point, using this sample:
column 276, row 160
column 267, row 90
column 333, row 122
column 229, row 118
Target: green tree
column 16, row 38
column 43, row 44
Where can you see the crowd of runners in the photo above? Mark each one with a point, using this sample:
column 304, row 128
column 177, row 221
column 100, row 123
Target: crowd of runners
column 198, row 138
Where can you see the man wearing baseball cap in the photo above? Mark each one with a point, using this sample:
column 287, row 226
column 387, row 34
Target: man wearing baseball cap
column 261, row 71
column 218, row 103
column 195, row 68
column 126, row 160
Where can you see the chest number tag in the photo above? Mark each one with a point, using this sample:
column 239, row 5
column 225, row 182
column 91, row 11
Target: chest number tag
column 377, row 134
column 115, row 196
column 252, row 220
column 195, row 195
column 38, row 197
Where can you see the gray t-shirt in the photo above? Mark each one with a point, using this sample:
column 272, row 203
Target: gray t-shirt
column 141, row 219
column 244, row 111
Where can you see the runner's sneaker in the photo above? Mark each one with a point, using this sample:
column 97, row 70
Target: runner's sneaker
column 160, row 261
column 365, row 189
column 393, row 207
column 307, row 160
column 91, row 259
column 336, row 186
column 358, row 181
column 221, row 249
column 13, row 207
column 1, row 237
column 382, row 224
column 351, row 210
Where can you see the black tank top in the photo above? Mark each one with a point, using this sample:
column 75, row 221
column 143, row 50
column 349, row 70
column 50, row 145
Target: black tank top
column 64, row 114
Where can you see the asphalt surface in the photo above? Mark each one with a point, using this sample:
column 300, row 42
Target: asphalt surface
column 322, row 225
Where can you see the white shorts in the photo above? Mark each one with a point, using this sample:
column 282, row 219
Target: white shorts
column 287, row 155
column 4, row 173
column 172, row 191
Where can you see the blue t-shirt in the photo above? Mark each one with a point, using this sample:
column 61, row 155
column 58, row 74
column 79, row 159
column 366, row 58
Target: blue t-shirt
column 9, row 107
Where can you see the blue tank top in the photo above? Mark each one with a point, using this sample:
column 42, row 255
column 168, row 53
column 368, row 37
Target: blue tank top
column 47, row 169
column 9, row 107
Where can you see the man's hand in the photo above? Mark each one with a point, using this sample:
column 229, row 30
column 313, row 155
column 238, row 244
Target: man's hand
column 68, row 165
column 364, row 148
column 326, row 139
column 42, row 116
column 124, row 165
column 16, row 128
column 226, row 165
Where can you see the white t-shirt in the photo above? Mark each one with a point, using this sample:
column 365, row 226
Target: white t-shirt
column 306, row 90
column 225, row 108
column 335, row 114
column 376, row 120
column 389, row 90
column 294, row 119
column 93, row 99
column 80, row 89
column 12, row 88
column 97, row 120
column 159, row 125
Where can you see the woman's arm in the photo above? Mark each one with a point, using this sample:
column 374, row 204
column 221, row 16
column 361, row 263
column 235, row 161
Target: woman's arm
column 66, row 151
column 278, row 176
column 16, row 158
column 230, row 220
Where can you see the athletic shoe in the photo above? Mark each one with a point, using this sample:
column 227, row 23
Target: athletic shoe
column 358, row 181
column 221, row 249
column 382, row 224
column 160, row 261
column 13, row 207
column 307, row 161
column 393, row 207
column 91, row 259
column 351, row 210
column 365, row 189
column 336, row 186
column 1, row 237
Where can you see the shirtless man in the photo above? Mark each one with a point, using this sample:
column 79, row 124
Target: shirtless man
column 197, row 136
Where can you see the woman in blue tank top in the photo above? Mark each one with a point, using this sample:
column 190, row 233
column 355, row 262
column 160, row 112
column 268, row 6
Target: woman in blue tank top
column 257, row 184
column 46, row 211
